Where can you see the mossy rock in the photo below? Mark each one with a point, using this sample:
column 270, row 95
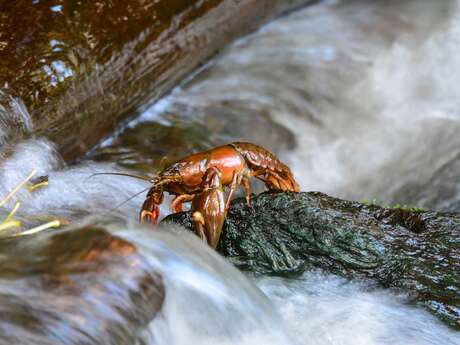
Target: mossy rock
column 289, row 233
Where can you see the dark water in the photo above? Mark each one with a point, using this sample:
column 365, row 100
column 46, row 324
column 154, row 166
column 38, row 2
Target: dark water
column 359, row 97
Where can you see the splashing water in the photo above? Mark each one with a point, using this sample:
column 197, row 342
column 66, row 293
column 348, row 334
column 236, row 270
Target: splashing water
column 208, row 301
column 322, row 309
column 71, row 193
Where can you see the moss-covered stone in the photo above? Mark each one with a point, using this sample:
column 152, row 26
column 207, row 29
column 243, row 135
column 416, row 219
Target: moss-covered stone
column 288, row 233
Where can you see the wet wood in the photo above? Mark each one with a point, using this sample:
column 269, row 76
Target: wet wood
column 81, row 69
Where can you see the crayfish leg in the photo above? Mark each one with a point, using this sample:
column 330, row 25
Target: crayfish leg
column 272, row 183
column 176, row 204
column 236, row 181
column 247, row 190
column 150, row 210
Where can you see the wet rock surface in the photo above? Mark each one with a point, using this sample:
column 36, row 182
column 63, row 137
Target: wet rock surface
column 287, row 234
column 82, row 286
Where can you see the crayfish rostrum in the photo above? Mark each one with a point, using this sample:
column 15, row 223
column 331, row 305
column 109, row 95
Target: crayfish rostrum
column 201, row 177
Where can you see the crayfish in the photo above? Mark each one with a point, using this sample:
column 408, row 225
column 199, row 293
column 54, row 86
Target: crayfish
column 200, row 178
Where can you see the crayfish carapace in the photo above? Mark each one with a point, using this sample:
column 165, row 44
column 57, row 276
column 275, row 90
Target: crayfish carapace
column 200, row 178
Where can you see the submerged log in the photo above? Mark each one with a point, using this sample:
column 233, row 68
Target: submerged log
column 82, row 286
column 288, row 233
column 80, row 68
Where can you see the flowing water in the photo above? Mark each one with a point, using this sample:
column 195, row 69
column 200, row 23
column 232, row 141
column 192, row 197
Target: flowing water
column 207, row 300
column 362, row 95
column 359, row 97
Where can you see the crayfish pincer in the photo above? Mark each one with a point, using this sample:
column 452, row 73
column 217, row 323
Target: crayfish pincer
column 208, row 208
column 200, row 178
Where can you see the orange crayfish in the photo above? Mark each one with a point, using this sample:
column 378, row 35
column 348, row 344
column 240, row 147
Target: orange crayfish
column 200, row 178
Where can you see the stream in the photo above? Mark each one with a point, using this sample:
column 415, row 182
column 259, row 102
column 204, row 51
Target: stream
column 360, row 98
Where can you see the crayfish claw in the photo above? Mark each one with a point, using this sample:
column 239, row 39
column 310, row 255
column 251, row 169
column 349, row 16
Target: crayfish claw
column 208, row 208
column 150, row 209
column 198, row 217
column 150, row 217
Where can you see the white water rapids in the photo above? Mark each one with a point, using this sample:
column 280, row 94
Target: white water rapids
column 369, row 91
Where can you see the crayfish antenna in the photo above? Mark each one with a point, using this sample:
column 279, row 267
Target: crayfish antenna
column 145, row 178
column 163, row 163
column 130, row 198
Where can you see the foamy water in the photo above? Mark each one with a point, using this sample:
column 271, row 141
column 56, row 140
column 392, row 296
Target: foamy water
column 322, row 309
column 72, row 192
